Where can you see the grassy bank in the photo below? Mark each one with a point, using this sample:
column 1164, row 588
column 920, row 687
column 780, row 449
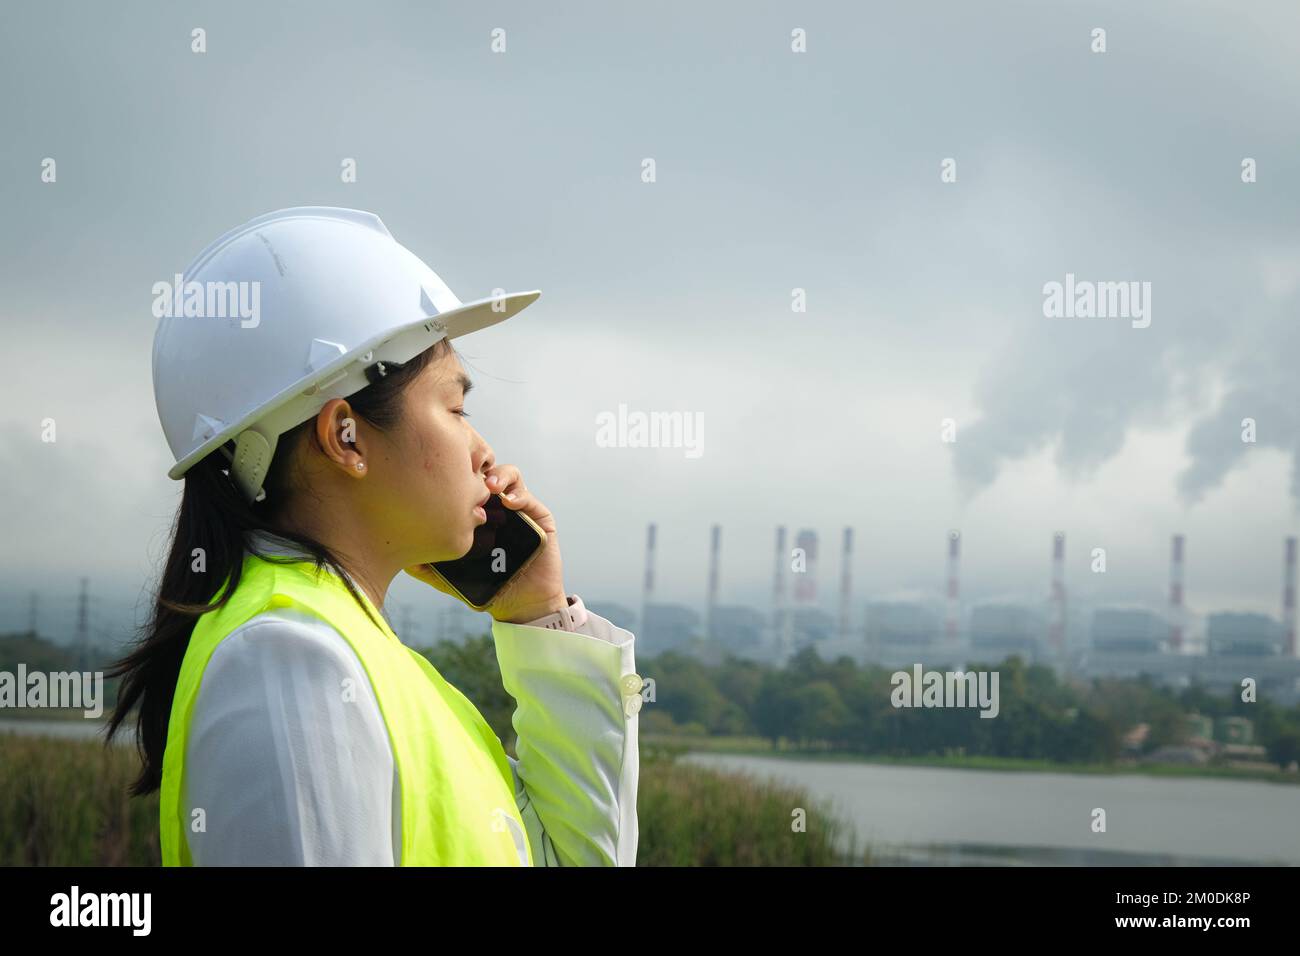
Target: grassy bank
column 64, row 803
column 674, row 745
column 693, row 816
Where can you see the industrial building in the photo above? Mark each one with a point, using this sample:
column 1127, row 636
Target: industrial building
column 939, row 631
column 1122, row 630
column 998, row 631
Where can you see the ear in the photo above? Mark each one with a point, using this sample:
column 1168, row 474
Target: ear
column 339, row 434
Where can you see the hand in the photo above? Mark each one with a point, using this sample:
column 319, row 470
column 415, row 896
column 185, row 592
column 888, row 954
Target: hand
column 539, row 590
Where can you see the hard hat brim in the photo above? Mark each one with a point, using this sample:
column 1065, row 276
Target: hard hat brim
column 397, row 344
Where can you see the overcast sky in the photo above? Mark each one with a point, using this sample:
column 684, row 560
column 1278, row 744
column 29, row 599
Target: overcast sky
column 775, row 170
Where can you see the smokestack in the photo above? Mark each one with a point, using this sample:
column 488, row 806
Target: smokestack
column 1288, row 598
column 954, row 611
column 1176, row 596
column 805, row 585
column 648, row 588
column 779, row 613
column 778, row 574
column 846, row 585
column 83, row 629
column 1056, row 636
column 715, row 548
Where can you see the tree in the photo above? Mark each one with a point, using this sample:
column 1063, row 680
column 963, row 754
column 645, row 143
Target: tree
column 1285, row 748
column 817, row 713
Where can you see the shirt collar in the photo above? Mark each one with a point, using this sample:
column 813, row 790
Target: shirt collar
column 268, row 542
column 272, row 543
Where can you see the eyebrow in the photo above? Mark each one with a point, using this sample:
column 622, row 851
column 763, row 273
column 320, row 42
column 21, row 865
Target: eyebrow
column 464, row 382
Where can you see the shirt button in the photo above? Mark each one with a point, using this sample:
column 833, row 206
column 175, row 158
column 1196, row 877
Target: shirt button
column 632, row 684
column 633, row 705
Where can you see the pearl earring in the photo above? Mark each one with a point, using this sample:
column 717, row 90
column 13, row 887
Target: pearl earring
column 361, row 465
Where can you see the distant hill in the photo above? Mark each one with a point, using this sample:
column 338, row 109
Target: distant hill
column 35, row 652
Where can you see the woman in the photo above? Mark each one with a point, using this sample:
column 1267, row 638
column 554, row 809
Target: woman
column 308, row 389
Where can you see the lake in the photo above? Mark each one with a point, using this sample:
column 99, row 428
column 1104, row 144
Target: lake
column 943, row 816
column 936, row 815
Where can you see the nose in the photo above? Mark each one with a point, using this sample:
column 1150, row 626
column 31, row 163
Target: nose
column 481, row 456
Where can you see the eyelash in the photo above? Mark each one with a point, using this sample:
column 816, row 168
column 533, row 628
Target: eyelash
column 461, row 412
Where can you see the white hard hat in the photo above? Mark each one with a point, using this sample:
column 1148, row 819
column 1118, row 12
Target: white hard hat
column 281, row 315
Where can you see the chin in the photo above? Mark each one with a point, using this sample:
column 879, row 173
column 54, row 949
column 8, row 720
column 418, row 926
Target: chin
column 466, row 540
column 454, row 547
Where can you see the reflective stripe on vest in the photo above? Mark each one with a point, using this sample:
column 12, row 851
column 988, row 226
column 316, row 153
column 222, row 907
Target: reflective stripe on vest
column 458, row 805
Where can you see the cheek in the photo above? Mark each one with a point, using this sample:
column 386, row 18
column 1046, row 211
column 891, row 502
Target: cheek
column 437, row 450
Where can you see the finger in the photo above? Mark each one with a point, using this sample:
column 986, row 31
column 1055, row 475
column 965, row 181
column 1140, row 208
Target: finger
column 526, row 502
column 520, row 498
column 513, row 490
column 516, row 495
column 501, row 477
column 426, row 573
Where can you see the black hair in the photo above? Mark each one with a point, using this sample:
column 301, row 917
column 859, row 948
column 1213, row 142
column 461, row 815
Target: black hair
column 215, row 516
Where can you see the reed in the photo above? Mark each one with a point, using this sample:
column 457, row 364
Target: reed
column 64, row 803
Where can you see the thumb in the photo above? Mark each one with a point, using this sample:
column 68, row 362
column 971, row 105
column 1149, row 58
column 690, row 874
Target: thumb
column 427, row 574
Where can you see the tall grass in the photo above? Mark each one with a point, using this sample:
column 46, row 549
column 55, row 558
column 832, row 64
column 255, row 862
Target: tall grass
column 64, row 803
column 694, row 816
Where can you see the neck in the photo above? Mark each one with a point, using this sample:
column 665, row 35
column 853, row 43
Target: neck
column 371, row 567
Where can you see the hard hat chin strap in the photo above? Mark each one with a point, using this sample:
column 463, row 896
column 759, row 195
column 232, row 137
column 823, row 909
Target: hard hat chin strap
column 251, row 462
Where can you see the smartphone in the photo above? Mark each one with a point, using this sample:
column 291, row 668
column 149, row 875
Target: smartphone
column 503, row 546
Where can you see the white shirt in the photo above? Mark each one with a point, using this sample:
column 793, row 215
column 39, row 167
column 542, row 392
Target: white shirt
column 291, row 773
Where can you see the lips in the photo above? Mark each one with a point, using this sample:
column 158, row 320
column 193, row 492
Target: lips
column 483, row 504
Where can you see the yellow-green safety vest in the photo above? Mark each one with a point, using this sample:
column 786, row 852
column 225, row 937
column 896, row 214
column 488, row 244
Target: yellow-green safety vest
column 458, row 805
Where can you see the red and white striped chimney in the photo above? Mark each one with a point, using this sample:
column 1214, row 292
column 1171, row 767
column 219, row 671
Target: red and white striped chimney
column 1288, row 598
column 952, row 623
column 1176, row 618
column 1056, row 634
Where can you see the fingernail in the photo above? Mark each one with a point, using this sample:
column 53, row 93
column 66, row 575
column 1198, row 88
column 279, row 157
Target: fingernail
column 508, row 497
